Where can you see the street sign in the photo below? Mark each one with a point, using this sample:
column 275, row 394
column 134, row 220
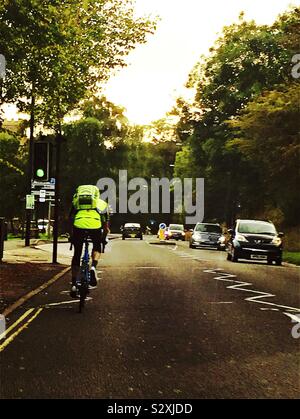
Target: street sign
column 30, row 202
column 43, row 185
column 42, row 195
column 48, row 193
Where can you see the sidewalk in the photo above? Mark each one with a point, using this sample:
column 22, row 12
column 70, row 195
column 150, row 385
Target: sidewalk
column 24, row 269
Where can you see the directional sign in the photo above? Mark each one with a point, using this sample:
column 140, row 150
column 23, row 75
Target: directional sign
column 43, row 185
column 162, row 229
column 48, row 193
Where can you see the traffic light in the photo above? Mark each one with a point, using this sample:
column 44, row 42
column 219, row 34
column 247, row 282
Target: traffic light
column 41, row 161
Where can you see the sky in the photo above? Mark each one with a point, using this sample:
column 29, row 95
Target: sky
column 158, row 70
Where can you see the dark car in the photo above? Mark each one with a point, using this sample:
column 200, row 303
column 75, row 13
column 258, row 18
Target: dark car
column 207, row 235
column 132, row 230
column 255, row 240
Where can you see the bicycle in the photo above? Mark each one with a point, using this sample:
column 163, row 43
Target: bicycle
column 84, row 276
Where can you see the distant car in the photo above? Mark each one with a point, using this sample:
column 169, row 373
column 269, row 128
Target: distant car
column 207, row 235
column 167, row 233
column 255, row 240
column 132, row 230
column 176, row 232
column 43, row 225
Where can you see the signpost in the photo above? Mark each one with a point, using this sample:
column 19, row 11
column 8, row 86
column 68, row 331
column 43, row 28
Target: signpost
column 162, row 229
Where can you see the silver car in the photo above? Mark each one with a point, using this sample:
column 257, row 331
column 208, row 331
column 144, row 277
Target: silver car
column 208, row 236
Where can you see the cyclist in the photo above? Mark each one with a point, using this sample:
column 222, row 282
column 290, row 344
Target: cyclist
column 90, row 216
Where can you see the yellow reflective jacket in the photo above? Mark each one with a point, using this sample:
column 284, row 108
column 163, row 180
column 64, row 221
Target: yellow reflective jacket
column 91, row 219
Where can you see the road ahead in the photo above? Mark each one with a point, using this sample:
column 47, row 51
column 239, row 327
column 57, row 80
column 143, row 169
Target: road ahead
column 165, row 322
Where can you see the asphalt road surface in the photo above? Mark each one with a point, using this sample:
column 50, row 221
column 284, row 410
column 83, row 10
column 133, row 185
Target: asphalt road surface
column 165, row 322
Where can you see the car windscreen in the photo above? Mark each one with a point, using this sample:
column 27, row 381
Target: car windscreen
column 208, row 228
column 175, row 227
column 250, row 227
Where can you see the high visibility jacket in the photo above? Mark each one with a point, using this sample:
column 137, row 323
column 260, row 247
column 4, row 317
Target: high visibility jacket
column 91, row 219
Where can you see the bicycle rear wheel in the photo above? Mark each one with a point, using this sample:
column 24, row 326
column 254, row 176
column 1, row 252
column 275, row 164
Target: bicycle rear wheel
column 83, row 292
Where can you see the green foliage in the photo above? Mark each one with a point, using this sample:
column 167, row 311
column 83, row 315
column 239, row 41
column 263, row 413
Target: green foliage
column 269, row 137
column 102, row 143
column 185, row 165
column 12, row 184
column 83, row 158
column 246, row 62
column 292, row 257
column 59, row 51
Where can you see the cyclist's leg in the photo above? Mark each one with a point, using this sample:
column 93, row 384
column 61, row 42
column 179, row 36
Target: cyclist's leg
column 96, row 236
column 78, row 238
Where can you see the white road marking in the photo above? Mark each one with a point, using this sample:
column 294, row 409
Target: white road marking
column 294, row 317
column 31, row 294
column 66, row 302
column 269, row 309
column 239, row 287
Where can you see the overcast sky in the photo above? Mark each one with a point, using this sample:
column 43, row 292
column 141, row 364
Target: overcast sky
column 158, row 70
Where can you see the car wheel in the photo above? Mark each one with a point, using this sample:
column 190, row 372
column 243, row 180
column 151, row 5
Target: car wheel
column 270, row 262
column 191, row 246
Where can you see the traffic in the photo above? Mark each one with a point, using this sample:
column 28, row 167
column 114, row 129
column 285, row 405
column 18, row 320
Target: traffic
column 252, row 240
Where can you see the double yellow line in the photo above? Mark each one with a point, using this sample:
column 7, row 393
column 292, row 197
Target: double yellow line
column 33, row 312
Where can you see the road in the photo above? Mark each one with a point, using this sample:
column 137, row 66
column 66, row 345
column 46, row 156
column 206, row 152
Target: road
column 166, row 321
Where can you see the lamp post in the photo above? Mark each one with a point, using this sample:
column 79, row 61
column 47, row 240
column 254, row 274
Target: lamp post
column 58, row 140
column 30, row 168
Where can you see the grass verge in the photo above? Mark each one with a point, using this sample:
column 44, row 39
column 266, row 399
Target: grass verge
column 292, row 257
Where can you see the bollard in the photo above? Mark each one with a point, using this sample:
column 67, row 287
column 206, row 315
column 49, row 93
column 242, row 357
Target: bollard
column 2, row 235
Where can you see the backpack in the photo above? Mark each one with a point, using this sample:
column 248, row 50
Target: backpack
column 86, row 197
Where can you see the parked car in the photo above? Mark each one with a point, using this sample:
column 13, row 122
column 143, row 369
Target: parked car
column 207, row 235
column 176, row 232
column 43, row 225
column 255, row 240
column 132, row 230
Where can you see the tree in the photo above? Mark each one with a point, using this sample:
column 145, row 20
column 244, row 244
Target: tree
column 114, row 122
column 246, row 60
column 83, row 156
column 269, row 138
column 12, row 166
column 57, row 51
